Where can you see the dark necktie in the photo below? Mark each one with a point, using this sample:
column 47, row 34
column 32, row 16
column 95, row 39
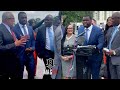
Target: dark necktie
column 25, row 32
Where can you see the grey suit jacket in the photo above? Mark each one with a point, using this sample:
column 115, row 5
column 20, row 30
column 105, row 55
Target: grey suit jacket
column 115, row 59
column 57, row 69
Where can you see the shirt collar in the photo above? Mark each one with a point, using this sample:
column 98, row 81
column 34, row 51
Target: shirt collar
column 21, row 25
column 50, row 27
column 89, row 28
column 6, row 26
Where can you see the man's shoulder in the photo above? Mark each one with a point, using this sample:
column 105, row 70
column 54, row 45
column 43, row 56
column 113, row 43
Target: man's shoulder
column 16, row 25
column 97, row 29
column 1, row 27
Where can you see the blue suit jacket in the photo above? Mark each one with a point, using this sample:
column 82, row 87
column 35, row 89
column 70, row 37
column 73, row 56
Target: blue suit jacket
column 96, row 38
column 30, row 43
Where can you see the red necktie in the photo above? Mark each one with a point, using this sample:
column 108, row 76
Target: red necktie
column 13, row 35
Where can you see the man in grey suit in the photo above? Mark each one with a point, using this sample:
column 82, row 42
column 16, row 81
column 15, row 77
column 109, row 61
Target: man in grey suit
column 57, row 69
column 113, row 40
column 59, row 32
column 9, row 60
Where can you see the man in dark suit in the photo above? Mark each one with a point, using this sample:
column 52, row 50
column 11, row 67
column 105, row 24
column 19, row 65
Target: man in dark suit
column 9, row 62
column 45, row 40
column 25, row 53
column 93, row 36
column 113, row 44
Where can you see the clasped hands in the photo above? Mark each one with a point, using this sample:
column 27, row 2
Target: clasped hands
column 67, row 58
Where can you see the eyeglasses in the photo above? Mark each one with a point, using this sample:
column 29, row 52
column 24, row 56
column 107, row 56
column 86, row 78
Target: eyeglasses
column 11, row 18
column 69, row 28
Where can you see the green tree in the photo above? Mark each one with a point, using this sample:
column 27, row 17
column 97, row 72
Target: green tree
column 75, row 16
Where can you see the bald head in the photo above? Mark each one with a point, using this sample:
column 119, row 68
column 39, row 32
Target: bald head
column 48, row 20
column 116, row 18
column 8, row 18
column 116, row 15
column 49, row 16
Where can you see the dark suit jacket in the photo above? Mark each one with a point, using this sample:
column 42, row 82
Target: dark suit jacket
column 96, row 38
column 30, row 43
column 41, row 41
column 8, row 56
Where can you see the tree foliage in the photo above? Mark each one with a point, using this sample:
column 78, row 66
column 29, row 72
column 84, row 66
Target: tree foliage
column 75, row 16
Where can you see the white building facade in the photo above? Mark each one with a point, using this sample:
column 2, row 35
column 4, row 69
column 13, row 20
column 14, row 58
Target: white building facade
column 101, row 16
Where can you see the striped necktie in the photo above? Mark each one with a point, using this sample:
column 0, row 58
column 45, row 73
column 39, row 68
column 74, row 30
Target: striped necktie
column 25, row 32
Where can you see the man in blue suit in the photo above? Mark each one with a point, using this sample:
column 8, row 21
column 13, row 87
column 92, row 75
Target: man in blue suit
column 93, row 36
column 25, row 52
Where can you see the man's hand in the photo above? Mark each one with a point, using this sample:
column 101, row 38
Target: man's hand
column 28, row 49
column 20, row 42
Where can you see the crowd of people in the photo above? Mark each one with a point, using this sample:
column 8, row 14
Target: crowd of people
column 22, row 43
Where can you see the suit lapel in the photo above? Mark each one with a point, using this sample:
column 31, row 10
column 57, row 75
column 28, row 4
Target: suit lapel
column 5, row 30
column 19, row 30
column 117, row 33
column 82, row 30
column 44, row 35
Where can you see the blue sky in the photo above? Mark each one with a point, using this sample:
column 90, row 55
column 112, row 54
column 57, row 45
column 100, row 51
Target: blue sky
column 32, row 14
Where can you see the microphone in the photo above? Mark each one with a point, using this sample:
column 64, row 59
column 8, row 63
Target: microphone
column 81, row 39
column 81, row 34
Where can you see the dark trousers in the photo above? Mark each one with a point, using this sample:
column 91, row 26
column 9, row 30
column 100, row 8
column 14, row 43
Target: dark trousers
column 94, row 68
column 108, row 70
column 48, row 54
column 9, row 68
column 81, row 67
column 29, row 62
column 86, row 68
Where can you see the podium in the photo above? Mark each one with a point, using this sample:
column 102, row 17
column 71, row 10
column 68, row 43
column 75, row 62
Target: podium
column 82, row 54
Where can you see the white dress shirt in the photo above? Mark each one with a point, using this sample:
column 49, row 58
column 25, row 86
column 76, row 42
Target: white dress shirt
column 21, row 27
column 47, row 37
column 89, row 31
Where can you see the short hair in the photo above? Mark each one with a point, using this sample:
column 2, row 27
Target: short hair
column 49, row 15
column 20, row 13
column 109, row 18
column 6, row 15
column 88, row 16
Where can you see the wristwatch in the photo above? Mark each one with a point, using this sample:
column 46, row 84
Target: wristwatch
column 114, row 53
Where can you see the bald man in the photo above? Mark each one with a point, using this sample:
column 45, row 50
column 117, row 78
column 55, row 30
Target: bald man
column 9, row 62
column 113, row 40
column 45, row 40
